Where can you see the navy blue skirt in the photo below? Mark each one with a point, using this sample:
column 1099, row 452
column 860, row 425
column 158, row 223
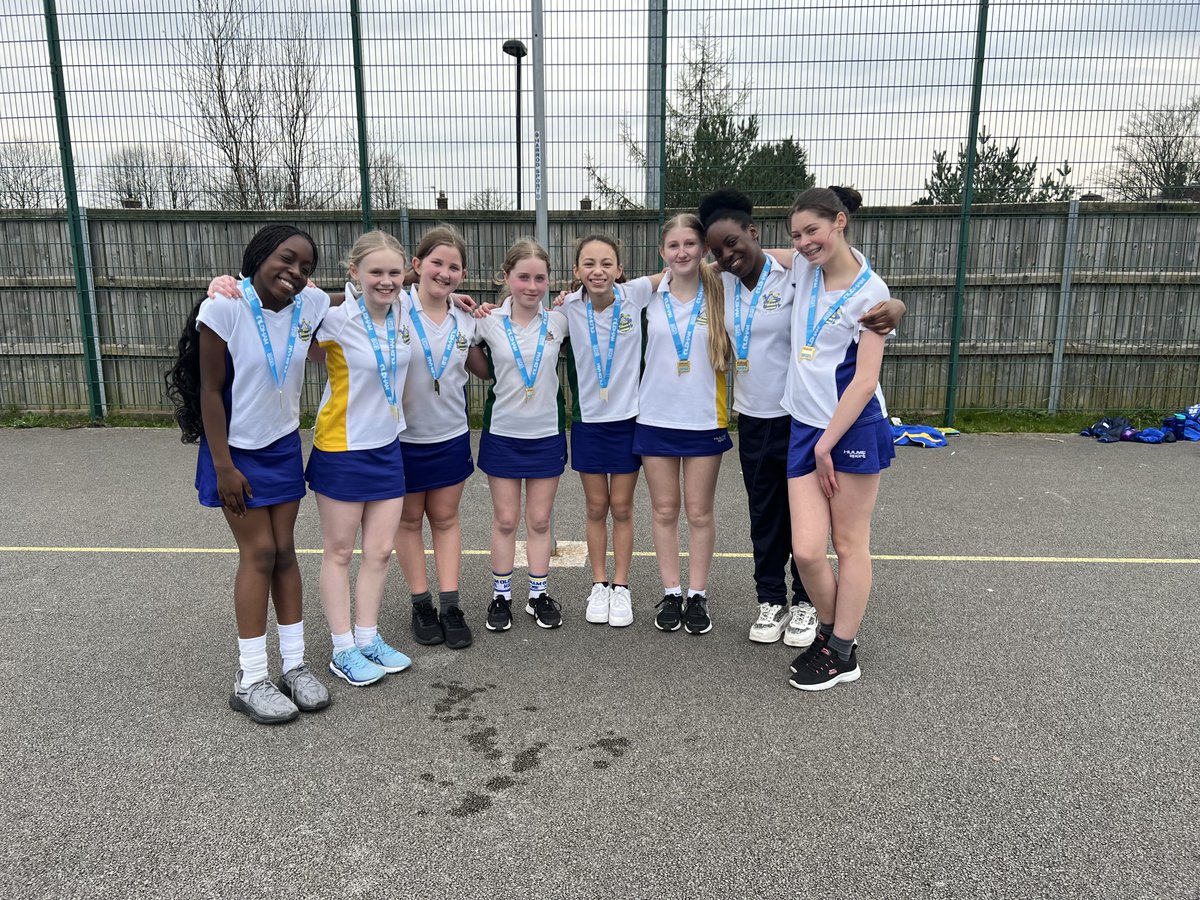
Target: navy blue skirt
column 651, row 440
column 604, row 448
column 506, row 457
column 357, row 476
column 428, row 467
column 275, row 472
column 865, row 449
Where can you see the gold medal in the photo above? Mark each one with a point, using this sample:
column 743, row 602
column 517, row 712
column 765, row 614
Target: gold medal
column 683, row 367
column 528, row 393
column 395, row 413
column 603, row 395
column 807, row 352
column 743, row 365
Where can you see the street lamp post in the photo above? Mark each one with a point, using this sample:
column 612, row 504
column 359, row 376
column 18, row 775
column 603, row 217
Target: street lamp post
column 517, row 50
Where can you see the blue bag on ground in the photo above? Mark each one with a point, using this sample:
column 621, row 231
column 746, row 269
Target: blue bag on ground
column 1109, row 430
column 921, row 435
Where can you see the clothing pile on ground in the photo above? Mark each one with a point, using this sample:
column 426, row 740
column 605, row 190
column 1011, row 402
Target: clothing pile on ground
column 920, row 435
column 1182, row 426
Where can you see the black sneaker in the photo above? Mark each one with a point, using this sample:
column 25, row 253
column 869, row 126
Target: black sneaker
column 426, row 627
column 818, row 642
column 695, row 616
column 824, row 669
column 455, row 628
column 500, row 614
column 545, row 611
column 670, row 613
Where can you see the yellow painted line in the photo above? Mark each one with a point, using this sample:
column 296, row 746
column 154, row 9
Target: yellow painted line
column 1093, row 560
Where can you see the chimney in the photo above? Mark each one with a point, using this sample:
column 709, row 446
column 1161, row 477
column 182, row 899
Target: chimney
column 442, row 202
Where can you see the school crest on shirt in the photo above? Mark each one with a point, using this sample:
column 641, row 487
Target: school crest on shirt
column 404, row 336
column 624, row 324
column 305, row 331
column 461, row 344
column 550, row 335
column 836, row 317
column 702, row 319
column 772, row 301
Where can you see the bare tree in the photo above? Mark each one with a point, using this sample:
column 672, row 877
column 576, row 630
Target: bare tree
column 257, row 86
column 488, row 198
column 30, row 176
column 390, row 184
column 1159, row 153
column 162, row 177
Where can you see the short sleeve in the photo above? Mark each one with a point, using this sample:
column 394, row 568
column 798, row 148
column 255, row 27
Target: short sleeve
column 638, row 293
column 220, row 314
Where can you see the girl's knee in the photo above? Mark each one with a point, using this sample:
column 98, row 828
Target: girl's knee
column 504, row 524
column 809, row 558
column 665, row 513
column 443, row 521
column 537, row 523
column 597, row 512
column 285, row 558
column 622, row 510
column 261, row 557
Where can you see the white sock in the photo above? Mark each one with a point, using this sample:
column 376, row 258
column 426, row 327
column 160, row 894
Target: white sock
column 342, row 641
column 692, row 592
column 252, row 659
column 537, row 584
column 676, row 591
column 291, row 645
column 363, row 635
column 502, row 585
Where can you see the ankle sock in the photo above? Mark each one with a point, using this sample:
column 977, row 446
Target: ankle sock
column 447, row 599
column 824, row 632
column 537, row 584
column 423, row 597
column 291, row 645
column 676, row 591
column 252, row 659
column 364, row 635
column 841, row 646
column 342, row 641
column 502, row 585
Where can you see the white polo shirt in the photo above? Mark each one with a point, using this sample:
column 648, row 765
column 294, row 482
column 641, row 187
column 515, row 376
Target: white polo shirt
column 695, row 400
column 759, row 392
column 507, row 412
column 355, row 413
column 623, row 375
column 433, row 417
column 256, row 418
column 815, row 386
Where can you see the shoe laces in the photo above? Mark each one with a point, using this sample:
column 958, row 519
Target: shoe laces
column 500, row 603
column 765, row 616
column 599, row 592
column 671, row 601
column 454, row 617
column 545, row 602
column 807, row 617
column 426, row 614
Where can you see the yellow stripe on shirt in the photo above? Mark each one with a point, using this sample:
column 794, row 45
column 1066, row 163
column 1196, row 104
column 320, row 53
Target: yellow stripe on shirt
column 331, row 420
column 722, row 380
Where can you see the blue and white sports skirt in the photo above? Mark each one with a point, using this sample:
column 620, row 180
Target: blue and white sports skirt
column 651, row 440
column 604, row 448
column 865, row 449
column 275, row 472
column 428, row 467
column 507, row 457
column 357, row 476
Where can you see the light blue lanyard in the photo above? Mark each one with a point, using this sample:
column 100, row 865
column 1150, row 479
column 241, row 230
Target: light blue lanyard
column 814, row 328
column 526, row 376
column 742, row 338
column 256, row 310
column 603, row 373
column 683, row 348
column 388, row 379
column 436, row 373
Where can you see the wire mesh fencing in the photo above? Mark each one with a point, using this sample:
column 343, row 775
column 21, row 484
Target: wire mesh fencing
column 1062, row 139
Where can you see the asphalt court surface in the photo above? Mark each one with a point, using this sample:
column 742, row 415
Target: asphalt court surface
column 1026, row 725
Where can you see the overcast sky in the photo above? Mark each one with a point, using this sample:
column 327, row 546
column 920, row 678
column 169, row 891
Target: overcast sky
column 871, row 89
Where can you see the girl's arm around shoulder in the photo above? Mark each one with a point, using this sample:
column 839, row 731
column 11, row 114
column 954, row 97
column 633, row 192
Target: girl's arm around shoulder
column 884, row 317
column 639, row 292
column 477, row 363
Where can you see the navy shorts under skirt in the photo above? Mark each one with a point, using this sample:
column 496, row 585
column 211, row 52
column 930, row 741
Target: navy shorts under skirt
column 428, row 467
column 357, row 476
column 651, row 440
column 865, row 449
column 604, row 448
column 507, row 457
column 275, row 472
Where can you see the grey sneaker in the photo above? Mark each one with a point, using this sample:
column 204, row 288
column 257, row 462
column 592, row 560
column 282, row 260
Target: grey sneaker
column 262, row 702
column 302, row 686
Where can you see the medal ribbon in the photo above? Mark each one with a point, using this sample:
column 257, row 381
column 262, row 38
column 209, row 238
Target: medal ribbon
column 528, row 378
column 421, row 336
column 256, row 310
column 741, row 338
column 813, row 328
column 603, row 373
column 683, row 348
column 388, row 379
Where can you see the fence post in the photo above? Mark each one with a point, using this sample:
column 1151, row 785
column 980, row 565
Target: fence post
column 964, row 221
column 1064, row 305
column 656, row 107
column 542, row 218
column 360, row 108
column 91, row 358
column 90, row 311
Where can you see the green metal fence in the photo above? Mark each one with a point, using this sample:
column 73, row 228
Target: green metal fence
column 1031, row 169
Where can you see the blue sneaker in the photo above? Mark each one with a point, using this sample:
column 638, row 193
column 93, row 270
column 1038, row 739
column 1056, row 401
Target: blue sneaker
column 387, row 658
column 351, row 666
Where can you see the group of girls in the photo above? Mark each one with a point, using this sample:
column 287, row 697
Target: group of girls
column 391, row 447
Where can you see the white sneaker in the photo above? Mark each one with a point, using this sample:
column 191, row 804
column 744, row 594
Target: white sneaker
column 597, row 603
column 620, row 607
column 770, row 623
column 801, row 628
